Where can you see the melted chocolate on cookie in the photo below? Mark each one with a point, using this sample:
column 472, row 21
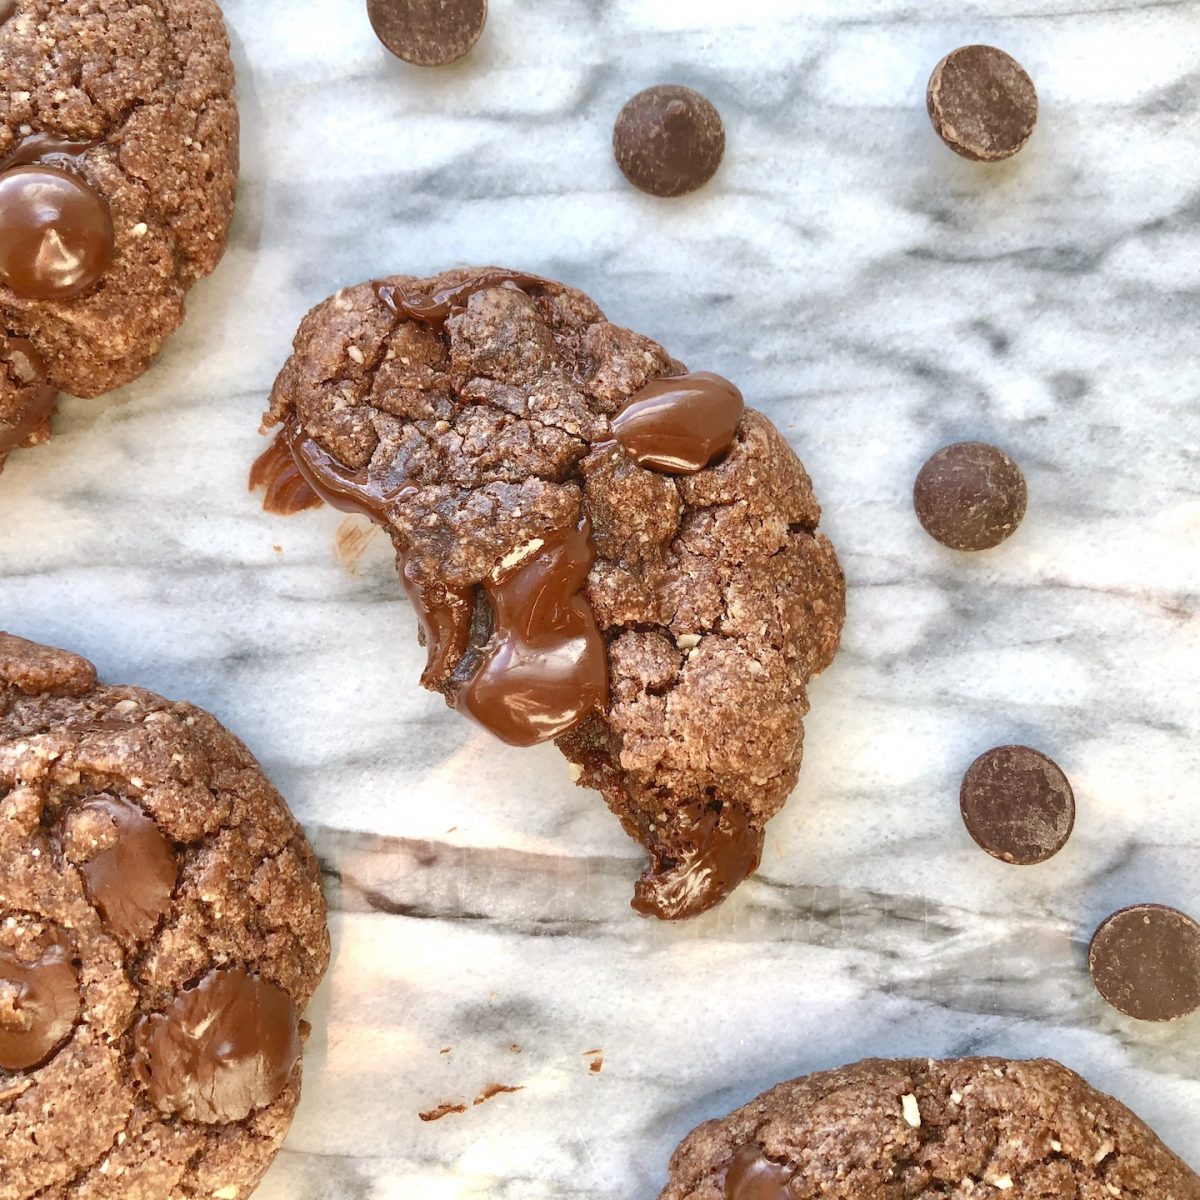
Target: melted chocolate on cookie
column 23, row 375
column 39, row 1003
column 222, row 1049
column 130, row 881
column 721, row 849
column 56, row 233
column 680, row 425
column 436, row 310
column 545, row 667
column 753, row 1176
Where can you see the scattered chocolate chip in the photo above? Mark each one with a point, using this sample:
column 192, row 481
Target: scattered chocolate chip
column 680, row 424
column 428, row 33
column 221, row 1049
column 1145, row 962
column 982, row 103
column 1018, row 805
column 970, row 496
column 56, row 234
column 669, row 140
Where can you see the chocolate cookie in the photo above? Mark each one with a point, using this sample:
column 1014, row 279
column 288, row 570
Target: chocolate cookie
column 602, row 548
column 161, row 929
column 964, row 1129
column 118, row 167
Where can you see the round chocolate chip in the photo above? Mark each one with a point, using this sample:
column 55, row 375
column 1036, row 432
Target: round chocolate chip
column 428, row 33
column 982, row 103
column 669, row 140
column 970, row 496
column 1145, row 962
column 56, row 234
column 1018, row 805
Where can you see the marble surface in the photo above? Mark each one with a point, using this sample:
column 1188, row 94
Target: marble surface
column 879, row 298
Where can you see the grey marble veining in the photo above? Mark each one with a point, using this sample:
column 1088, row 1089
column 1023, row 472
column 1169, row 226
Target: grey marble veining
column 877, row 297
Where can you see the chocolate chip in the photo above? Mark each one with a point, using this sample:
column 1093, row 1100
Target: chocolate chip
column 752, row 1176
column 982, row 103
column 8, row 9
column 669, row 140
column 56, row 234
column 39, row 1001
column 1145, row 962
column 428, row 33
column 131, row 879
column 970, row 496
column 680, row 424
column 222, row 1048
column 1018, row 805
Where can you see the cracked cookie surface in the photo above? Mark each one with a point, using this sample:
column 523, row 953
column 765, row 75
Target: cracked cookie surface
column 117, row 112
column 476, row 416
column 962, row 1129
column 162, row 927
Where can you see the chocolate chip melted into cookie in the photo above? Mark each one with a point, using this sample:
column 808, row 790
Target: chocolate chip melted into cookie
column 680, row 424
column 131, row 878
column 45, row 148
column 436, row 310
column 545, row 667
column 223, row 1048
column 56, row 232
column 39, row 1001
column 753, row 1176
column 716, row 851
column 26, row 396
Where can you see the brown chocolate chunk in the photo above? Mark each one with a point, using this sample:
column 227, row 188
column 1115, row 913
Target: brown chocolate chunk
column 753, row 1176
column 669, row 140
column 544, row 668
column 1145, row 961
column 39, row 1000
column 978, row 1128
column 970, row 496
column 142, row 850
column 7, row 9
column 1018, row 805
column 982, row 103
column 221, row 1049
column 56, row 234
column 27, row 397
column 680, row 425
column 131, row 877
column 471, row 415
column 713, row 853
column 428, row 33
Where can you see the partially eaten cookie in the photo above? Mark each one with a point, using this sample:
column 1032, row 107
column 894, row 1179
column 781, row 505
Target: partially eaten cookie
column 603, row 549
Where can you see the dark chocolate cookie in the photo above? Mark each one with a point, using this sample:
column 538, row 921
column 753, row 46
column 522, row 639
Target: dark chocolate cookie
column 118, row 167
column 602, row 548
column 964, row 1129
column 161, row 930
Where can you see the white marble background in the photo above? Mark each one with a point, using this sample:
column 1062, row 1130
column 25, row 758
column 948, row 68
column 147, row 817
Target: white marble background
column 879, row 298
